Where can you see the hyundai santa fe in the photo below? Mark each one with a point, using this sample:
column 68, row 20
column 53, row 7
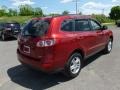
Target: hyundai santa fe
column 62, row 43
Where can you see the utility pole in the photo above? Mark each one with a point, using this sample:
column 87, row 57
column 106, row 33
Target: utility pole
column 76, row 5
column 76, row 1
column 103, row 11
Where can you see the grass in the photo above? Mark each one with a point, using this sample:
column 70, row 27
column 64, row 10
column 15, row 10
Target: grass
column 109, row 24
column 20, row 19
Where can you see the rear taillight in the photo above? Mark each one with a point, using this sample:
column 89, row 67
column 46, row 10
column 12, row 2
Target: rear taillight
column 46, row 43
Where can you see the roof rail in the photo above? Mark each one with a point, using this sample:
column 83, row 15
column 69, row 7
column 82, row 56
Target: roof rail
column 71, row 15
column 82, row 16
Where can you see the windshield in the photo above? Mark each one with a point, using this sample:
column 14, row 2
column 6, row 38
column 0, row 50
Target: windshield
column 36, row 28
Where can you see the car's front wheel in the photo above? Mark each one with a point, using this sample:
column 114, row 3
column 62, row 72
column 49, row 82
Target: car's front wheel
column 118, row 25
column 73, row 67
column 109, row 46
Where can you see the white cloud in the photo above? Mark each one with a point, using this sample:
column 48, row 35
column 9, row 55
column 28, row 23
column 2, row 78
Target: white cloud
column 22, row 2
column 44, row 7
column 66, row 1
column 115, row 0
column 96, row 7
column 55, row 12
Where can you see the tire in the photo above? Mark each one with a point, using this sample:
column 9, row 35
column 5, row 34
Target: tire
column 73, row 66
column 118, row 25
column 3, row 37
column 108, row 47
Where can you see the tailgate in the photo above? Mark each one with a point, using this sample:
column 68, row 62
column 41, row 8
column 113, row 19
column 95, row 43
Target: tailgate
column 27, row 46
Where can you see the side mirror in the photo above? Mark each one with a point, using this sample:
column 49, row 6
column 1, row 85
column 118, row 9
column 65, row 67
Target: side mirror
column 104, row 27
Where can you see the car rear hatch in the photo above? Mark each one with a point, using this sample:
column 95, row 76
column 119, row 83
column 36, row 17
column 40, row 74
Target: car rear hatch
column 14, row 27
column 32, row 33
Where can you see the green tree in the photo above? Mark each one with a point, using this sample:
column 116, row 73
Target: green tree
column 53, row 14
column 12, row 12
column 38, row 12
column 115, row 13
column 65, row 12
column 102, row 18
column 26, row 10
column 3, row 11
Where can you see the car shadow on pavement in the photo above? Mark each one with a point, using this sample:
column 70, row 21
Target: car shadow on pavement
column 92, row 59
column 36, row 80
column 9, row 39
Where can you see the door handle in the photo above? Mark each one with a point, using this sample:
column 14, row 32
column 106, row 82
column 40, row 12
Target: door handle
column 99, row 33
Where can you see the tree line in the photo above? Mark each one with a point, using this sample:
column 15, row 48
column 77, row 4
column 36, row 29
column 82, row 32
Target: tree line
column 27, row 10
column 23, row 10
column 115, row 13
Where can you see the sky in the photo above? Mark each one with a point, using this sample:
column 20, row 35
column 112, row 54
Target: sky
column 87, row 7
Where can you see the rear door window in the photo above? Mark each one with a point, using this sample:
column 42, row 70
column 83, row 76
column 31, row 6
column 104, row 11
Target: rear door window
column 82, row 25
column 1, row 26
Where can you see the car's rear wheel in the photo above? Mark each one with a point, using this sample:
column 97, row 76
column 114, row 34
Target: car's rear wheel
column 109, row 46
column 118, row 24
column 3, row 37
column 73, row 67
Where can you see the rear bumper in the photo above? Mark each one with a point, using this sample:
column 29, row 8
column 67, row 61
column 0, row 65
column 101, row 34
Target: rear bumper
column 9, row 34
column 38, row 64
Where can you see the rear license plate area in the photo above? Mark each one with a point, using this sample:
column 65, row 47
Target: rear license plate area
column 26, row 49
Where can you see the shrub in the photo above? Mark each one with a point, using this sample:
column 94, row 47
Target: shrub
column 103, row 18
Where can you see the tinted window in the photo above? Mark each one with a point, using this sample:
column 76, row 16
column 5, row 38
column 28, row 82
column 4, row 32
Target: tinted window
column 68, row 25
column 1, row 25
column 9, row 25
column 36, row 28
column 95, row 25
column 82, row 25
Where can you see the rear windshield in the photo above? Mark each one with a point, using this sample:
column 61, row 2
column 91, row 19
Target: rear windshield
column 9, row 25
column 36, row 28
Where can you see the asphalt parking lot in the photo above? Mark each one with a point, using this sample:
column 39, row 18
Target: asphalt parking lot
column 100, row 72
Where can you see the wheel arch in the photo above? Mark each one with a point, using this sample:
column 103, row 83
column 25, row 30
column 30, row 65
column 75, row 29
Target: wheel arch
column 111, row 37
column 79, row 51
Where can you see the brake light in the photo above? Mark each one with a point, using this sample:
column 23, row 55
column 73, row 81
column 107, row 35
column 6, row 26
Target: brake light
column 46, row 43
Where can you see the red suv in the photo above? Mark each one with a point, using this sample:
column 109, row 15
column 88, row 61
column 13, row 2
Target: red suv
column 62, row 43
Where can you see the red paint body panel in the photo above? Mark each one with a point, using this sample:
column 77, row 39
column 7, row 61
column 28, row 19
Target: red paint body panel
column 55, row 57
